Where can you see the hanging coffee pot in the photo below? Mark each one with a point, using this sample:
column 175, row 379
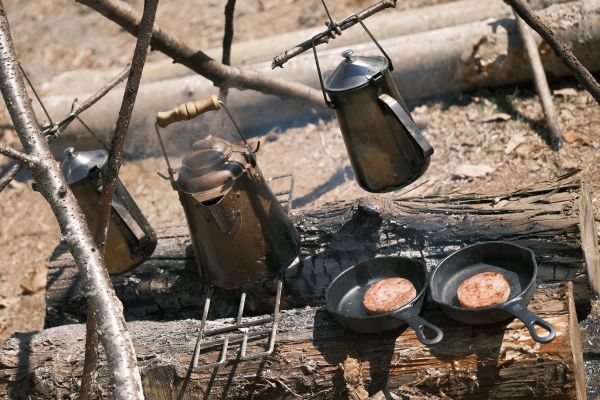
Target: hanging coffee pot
column 130, row 239
column 386, row 148
column 240, row 232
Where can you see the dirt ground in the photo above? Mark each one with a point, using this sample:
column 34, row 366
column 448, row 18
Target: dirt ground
column 488, row 141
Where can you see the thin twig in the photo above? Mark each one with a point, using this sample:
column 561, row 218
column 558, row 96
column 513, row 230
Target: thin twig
column 196, row 60
column 90, row 361
column 120, row 354
column 541, row 84
column 28, row 160
column 10, row 175
column 227, row 40
column 93, row 99
column 111, row 174
column 329, row 33
column 559, row 47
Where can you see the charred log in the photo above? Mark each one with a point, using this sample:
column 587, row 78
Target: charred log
column 316, row 358
column 339, row 235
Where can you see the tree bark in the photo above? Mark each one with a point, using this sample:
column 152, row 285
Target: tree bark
column 498, row 361
column 334, row 237
column 124, row 374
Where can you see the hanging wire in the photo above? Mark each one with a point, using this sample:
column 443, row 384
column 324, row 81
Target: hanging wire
column 36, row 95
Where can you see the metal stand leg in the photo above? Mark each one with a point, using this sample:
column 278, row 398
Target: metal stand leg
column 240, row 337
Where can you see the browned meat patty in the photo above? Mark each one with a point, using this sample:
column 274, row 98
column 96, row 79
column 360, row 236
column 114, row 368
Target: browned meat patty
column 483, row 290
column 388, row 295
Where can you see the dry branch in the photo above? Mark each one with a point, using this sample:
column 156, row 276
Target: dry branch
column 199, row 62
column 541, row 84
column 324, row 36
column 110, row 175
column 559, row 47
column 51, row 184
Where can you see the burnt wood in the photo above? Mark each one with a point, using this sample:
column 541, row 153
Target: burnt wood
column 339, row 235
column 495, row 361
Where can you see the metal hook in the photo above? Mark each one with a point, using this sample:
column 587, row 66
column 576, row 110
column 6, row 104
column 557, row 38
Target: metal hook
column 375, row 41
column 327, row 101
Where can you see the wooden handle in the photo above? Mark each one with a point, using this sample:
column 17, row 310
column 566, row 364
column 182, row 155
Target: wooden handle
column 187, row 111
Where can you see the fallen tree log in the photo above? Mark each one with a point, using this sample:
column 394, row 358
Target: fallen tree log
column 391, row 23
column 334, row 237
column 496, row 361
column 450, row 60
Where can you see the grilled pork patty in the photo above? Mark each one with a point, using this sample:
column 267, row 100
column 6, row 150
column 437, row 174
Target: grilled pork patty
column 388, row 295
column 483, row 290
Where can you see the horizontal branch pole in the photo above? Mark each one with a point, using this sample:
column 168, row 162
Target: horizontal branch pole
column 51, row 183
column 199, row 62
column 559, row 47
column 324, row 36
column 28, row 160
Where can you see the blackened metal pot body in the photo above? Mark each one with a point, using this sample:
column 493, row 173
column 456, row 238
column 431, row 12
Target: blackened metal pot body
column 386, row 148
column 130, row 239
column 240, row 232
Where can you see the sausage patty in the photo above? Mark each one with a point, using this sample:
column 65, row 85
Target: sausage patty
column 388, row 295
column 483, row 290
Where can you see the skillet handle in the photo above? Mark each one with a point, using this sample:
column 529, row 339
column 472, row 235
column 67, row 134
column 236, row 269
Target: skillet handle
column 417, row 324
column 530, row 320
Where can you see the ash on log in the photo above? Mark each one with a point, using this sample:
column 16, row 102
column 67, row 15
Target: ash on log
column 167, row 286
column 316, row 358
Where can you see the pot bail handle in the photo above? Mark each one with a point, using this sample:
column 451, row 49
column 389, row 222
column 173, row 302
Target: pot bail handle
column 417, row 323
column 187, row 111
column 531, row 320
column 407, row 122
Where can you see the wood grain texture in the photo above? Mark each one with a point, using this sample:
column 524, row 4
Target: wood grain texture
column 495, row 361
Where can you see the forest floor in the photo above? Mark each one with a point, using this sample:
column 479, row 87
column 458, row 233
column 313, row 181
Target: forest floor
column 486, row 141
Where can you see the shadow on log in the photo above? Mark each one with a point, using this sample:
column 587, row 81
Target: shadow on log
column 496, row 361
column 337, row 236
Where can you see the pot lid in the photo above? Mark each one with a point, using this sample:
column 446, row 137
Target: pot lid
column 354, row 71
column 211, row 168
column 76, row 166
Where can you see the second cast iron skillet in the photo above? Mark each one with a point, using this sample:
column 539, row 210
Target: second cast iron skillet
column 516, row 263
column 344, row 297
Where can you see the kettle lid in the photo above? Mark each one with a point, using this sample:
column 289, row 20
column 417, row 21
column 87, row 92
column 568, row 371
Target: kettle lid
column 76, row 166
column 354, row 71
column 211, row 168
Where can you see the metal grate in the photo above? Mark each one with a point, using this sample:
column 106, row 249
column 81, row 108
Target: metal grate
column 285, row 197
column 242, row 336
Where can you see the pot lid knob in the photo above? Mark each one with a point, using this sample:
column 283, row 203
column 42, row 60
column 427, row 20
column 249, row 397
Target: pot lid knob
column 347, row 54
column 69, row 153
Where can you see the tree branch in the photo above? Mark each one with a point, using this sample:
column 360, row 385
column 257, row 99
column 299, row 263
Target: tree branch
column 559, row 47
column 120, row 354
column 324, row 36
column 93, row 99
column 541, row 84
column 227, row 40
column 28, row 160
column 111, row 174
column 199, row 62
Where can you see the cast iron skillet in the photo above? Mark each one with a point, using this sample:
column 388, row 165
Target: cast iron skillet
column 518, row 266
column 345, row 294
